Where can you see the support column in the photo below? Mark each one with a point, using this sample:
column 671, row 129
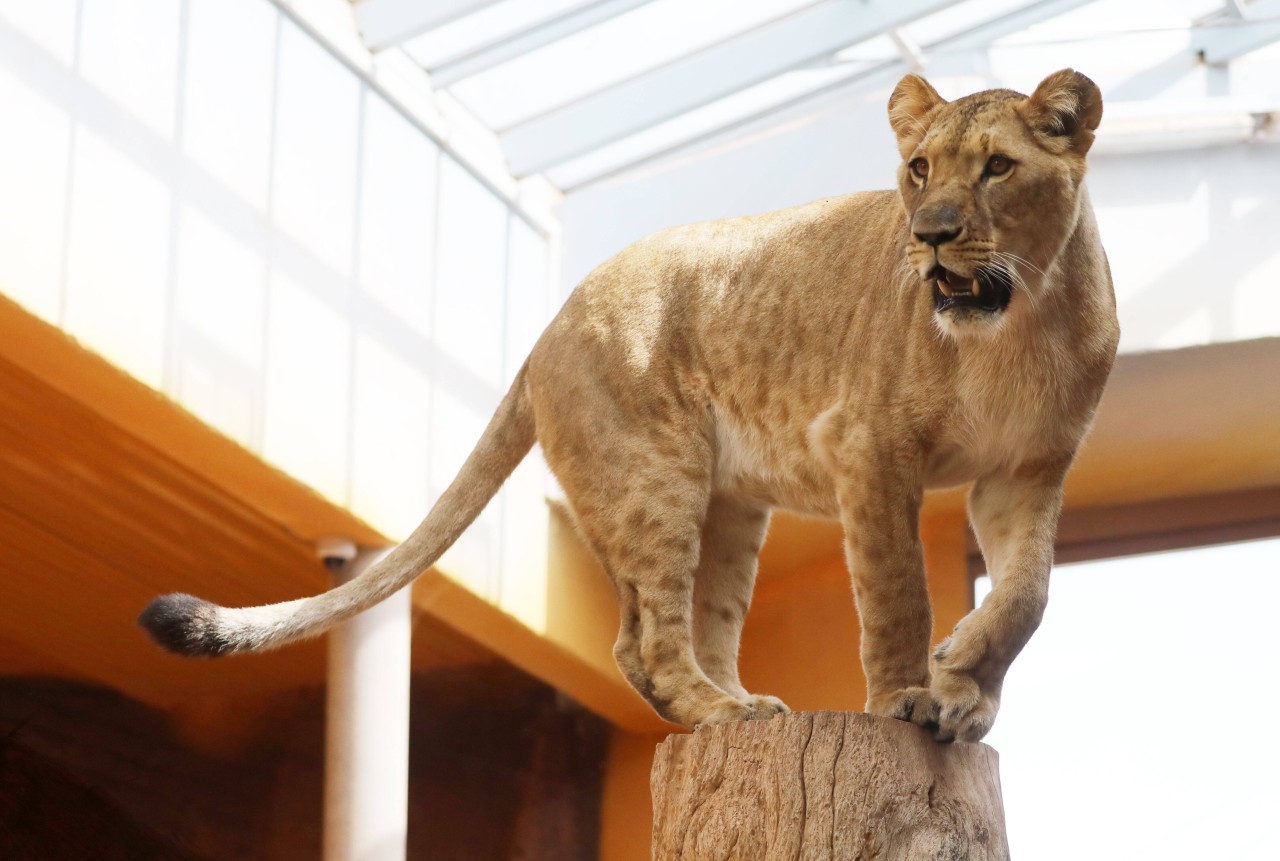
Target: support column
column 366, row 792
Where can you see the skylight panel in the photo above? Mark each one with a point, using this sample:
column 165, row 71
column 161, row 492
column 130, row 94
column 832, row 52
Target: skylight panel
column 959, row 18
column 608, row 53
column 701, row 125
column 875, row 50
column 1103, row 17
column 484, row 27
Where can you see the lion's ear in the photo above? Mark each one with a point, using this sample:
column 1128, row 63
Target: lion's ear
column 909, row 107
column 1065, row 110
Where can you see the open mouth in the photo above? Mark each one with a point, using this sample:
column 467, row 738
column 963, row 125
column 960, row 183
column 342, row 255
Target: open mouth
column 989, row 290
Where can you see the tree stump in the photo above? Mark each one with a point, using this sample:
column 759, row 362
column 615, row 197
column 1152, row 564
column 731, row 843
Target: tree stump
column 838, row 786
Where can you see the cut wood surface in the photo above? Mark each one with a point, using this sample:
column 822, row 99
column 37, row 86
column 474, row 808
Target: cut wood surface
column 844, row 786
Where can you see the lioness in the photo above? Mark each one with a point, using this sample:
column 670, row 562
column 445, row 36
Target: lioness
column 835, row 359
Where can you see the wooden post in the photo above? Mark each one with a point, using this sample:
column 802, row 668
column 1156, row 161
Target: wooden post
column 835, row 786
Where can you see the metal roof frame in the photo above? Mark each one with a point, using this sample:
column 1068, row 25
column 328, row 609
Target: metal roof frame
column 385, row 23
column 812, row 34
column 1242, row 29
column 508, row 46
column 700, row 78
column 974, row 39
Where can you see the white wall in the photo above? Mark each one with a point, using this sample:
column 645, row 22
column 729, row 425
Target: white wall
column 1192, row 235
column 205, row 194
column 1194, row 243
column 812, row 156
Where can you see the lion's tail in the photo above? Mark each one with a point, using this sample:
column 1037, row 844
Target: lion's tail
column 191, row 626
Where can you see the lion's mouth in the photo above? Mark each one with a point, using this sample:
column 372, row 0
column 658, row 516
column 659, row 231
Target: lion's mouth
column 990, row 289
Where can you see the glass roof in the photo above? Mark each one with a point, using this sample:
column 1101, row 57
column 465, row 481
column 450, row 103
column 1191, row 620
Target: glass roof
column 487, row 25
column 582, row 89
column 649, row 36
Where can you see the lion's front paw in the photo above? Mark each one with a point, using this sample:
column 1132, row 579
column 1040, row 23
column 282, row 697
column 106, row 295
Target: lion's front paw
column 964, row 711
column 914, row 705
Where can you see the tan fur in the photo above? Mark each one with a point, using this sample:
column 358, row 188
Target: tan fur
column 710, row 373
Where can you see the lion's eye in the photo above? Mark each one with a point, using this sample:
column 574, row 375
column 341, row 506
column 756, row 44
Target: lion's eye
column 998, row 165
column 920, row 167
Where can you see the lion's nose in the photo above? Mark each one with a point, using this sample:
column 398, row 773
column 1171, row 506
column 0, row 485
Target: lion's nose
column 936, row 226
column 937, row 237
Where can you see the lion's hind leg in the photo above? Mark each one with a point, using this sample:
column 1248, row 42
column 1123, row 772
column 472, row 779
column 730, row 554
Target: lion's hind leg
column 651, row 561
column 641, row 503
column 652, row 566
column 731, row 538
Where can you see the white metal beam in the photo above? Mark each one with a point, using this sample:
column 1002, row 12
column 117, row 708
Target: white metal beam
column 384, row 23
column 513, row 45
column 1234, row 37
column 1235, row 9
column 366, row 792
column 939, row 55
column 1153, row 125
column 908, row 50
column 703, row 77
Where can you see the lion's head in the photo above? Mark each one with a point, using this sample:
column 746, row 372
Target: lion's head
column 992, row 186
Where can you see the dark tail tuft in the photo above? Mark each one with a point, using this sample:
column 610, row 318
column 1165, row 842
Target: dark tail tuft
column 184, row 625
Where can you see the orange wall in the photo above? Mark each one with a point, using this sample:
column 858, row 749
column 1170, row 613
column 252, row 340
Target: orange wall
column 626, row 811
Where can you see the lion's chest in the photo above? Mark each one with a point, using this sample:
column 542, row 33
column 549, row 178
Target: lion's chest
column 1002, row 414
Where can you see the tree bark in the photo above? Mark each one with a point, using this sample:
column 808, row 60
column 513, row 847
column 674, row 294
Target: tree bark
column 842, row 786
